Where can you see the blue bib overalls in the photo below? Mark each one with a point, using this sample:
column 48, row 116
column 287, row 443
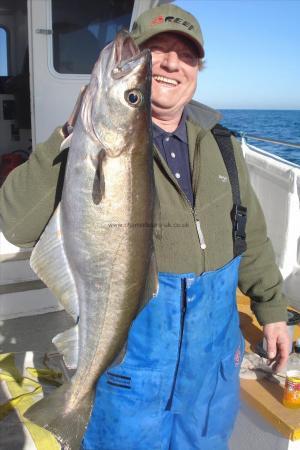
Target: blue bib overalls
column 178, row 386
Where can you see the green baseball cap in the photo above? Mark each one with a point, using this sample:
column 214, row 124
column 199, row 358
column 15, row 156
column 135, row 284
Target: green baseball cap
column 167, row 17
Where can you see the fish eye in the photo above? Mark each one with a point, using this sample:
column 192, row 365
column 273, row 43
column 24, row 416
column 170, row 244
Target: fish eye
column 134, row 97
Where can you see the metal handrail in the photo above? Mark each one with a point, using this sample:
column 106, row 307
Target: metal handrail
column 273, row 141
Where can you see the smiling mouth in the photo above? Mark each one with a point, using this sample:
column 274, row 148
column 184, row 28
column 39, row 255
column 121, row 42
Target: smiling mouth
column 165, row 80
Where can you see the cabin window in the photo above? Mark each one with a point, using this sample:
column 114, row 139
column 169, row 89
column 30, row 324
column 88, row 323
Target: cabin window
column 3, row 52
column 82, row 28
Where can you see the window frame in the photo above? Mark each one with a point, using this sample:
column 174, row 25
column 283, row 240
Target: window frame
column 59, row 76
column 52, row 70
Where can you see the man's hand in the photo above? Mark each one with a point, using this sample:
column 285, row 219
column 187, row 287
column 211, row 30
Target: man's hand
column 278, row 344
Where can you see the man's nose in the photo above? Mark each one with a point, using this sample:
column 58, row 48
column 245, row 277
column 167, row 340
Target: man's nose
column 170, row 60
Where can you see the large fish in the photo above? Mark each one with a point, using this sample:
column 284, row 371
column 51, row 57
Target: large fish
column 96, row 253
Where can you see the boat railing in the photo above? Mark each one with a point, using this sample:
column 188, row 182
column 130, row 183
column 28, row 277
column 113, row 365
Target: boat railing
column 246, row 136
column 277, row 185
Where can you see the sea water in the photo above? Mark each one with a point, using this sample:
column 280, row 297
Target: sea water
column 282, row 125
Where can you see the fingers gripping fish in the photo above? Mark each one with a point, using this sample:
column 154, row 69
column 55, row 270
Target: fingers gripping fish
column 96, row 252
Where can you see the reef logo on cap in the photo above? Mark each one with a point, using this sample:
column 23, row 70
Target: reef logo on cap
column 160, row 19
column 157, row 20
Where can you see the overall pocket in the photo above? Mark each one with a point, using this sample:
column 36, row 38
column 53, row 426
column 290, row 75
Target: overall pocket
column 127, row 411
column 225, row 402
column 131, row 387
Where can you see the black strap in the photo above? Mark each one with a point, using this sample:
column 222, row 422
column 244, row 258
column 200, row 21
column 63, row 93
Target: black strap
column 239, row 212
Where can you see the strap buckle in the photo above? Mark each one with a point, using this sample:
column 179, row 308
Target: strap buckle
column 239, row 219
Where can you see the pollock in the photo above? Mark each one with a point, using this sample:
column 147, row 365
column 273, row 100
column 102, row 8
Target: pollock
column 96, row 253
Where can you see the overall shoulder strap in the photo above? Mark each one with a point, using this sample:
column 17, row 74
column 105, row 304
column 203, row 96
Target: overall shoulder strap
column 239, row 213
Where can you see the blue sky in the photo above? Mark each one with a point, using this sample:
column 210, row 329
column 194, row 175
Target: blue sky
column 252, row 53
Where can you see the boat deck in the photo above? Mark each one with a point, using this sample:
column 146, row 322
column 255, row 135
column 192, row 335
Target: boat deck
column 32, row 333
column 263, row 396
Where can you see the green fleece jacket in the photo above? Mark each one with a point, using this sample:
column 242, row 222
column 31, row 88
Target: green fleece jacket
column 32, row 191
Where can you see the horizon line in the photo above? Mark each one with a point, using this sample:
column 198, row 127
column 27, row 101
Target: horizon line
column 258, row 109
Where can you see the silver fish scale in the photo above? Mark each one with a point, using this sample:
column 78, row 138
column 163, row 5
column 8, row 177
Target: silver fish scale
column 103, row 233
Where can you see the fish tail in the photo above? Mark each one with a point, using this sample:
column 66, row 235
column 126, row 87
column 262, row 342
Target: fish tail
column 65, row 421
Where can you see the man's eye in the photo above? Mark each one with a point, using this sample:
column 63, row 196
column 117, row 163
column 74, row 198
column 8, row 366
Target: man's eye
column 188, row 58
column 186, row 55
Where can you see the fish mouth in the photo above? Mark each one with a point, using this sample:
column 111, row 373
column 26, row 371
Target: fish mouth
column 126, row 54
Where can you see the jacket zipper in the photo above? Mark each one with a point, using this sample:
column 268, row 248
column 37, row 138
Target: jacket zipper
column 197, row 223
column 199, row 231
column 200, row 234
column 196, row 220
column 182, row 317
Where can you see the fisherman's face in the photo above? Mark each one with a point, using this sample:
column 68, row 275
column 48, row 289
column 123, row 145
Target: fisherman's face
column 175, row 65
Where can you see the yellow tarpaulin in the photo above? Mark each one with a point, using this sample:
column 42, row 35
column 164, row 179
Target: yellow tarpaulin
column 24, row 379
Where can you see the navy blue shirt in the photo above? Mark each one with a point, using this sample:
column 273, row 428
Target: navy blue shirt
column 174, row 149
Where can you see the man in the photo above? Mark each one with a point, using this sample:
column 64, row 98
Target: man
column 177, row 387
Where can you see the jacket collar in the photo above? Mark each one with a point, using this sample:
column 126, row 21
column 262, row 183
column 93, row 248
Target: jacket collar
column 180, row 131
column 202, row 115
